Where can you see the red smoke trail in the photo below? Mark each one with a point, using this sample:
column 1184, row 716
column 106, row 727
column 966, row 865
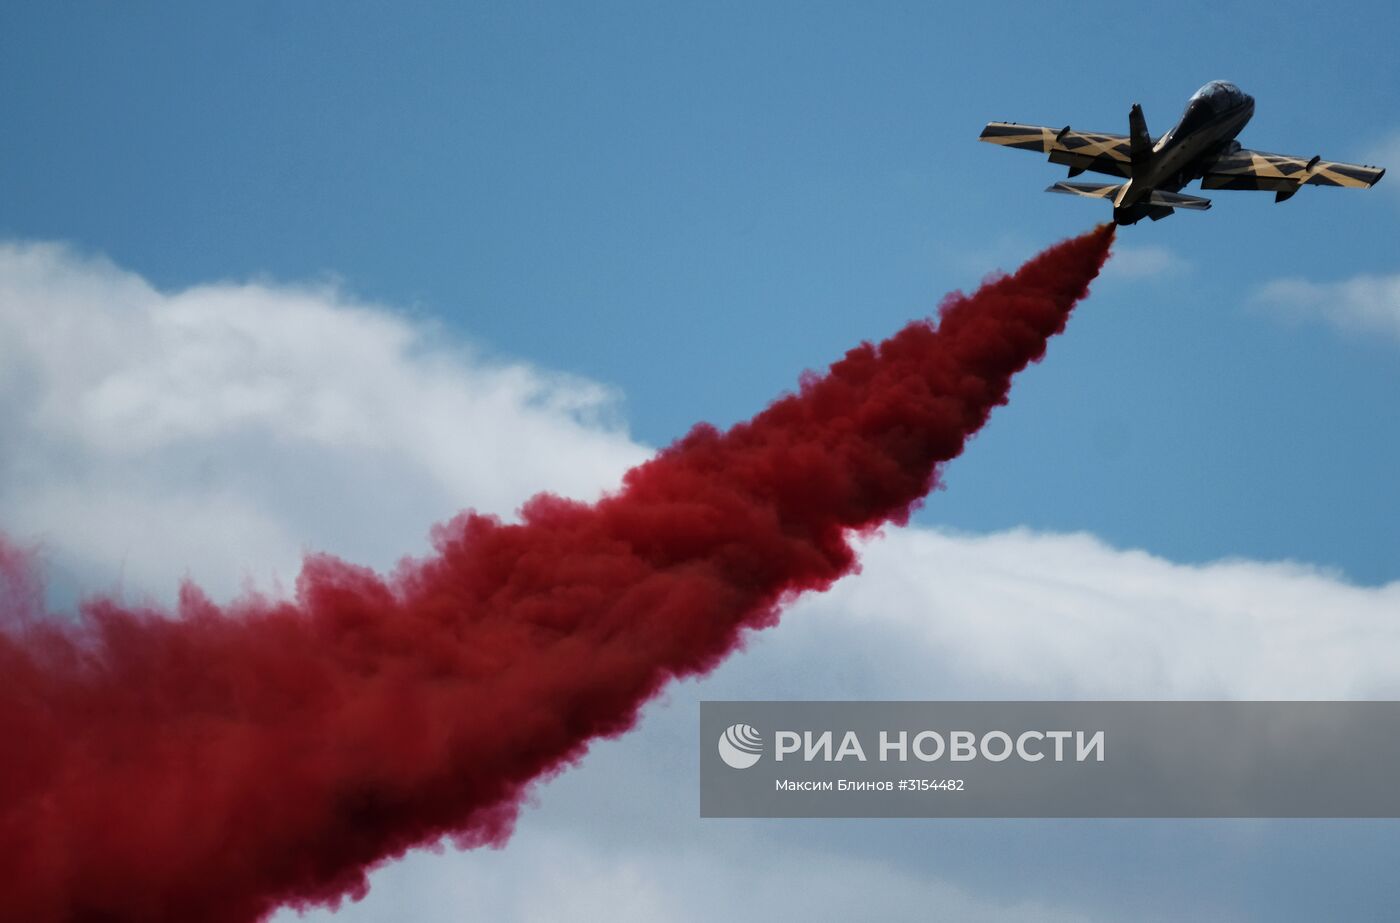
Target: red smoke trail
column 214, row 766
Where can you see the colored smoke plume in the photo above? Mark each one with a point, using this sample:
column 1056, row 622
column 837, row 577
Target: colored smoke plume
column 222, row 762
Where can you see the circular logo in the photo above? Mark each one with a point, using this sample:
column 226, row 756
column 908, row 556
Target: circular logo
column 740, row 746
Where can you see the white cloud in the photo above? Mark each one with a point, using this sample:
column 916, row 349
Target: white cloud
column 1143, row 262
column 1362, row 304
column 230, row 426
column 1026, row 614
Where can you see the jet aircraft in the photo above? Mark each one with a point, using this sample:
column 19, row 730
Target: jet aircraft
column 1201, row 146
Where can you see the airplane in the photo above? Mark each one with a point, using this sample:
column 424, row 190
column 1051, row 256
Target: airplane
column 1201, row 146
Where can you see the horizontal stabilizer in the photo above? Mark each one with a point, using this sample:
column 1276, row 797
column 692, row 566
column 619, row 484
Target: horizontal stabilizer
column 1177, row 200
column 1091, row 190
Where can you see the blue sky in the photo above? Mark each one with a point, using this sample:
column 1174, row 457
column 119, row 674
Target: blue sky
column 694, row 204
column 691, row 205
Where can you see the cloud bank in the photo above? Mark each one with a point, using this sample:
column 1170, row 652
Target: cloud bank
column 221, row 430
column 296, row 417
column 1364, row 304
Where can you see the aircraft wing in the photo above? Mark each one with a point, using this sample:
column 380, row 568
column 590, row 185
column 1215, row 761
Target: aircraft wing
column 1080, row 150
column 1280, row 173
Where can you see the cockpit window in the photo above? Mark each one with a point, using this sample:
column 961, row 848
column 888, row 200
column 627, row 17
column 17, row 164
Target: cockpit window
column 1198, row 112
column 1211, row 100
column 1219, row 95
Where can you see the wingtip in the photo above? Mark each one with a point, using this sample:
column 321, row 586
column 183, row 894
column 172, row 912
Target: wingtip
column 987, row 131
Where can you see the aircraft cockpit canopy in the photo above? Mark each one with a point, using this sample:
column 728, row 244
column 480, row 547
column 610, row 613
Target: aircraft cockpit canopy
column 1211, row 100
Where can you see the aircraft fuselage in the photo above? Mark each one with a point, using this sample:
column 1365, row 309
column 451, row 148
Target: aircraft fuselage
column 1213, row 117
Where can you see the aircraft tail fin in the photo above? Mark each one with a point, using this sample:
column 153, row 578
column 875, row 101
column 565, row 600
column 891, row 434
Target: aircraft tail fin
column 1139, row 141
column 1091, row 190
